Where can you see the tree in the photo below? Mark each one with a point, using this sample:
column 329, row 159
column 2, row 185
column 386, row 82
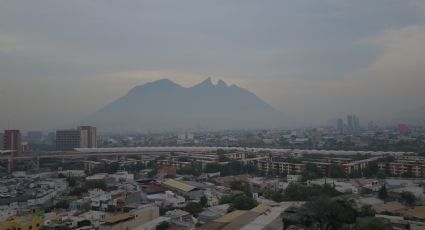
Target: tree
column 212, row 168
column 383, row 193
column 372, row 223
column 193, row 208
column 407, row 198
column 311, row 172
column 371, row 169
column 355, row 174
column 241, row 186
column 277, row 196
column 184, row 159
column 226, row 199
column 381, row 174
column 243, row 202
column 330, row 214
column 301, row 192
column 71, row 181
column 232, row 168
column 83, row 223
column 336, row 171
column 163, row 226
column 221, row 151
column 93, row 184
column 203, row 201
column 112, row 167
column 366, row 210
column 194, row 170
column 250, row 168
column 78, row 191
column 63, row 204
column 223, row 158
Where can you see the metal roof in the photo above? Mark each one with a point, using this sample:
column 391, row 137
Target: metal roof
column 179, row 185
column 231, row 216
column 260, row 208
column 118, row 218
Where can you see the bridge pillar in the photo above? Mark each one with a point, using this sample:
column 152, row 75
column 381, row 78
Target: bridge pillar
column 37, row 163
column 88, row 167
column 9, row 165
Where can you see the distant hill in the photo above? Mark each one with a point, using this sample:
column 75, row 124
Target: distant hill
column 164, row 105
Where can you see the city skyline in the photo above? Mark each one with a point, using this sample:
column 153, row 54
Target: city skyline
column 313, row 61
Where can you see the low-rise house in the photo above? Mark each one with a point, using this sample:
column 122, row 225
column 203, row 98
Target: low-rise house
column 99, row 199
column 260, row 217
column 167, row 200
column 212, row 197
column 7, row 211
column 339, row 185
column 151, row 225
column 167, row 172
column 366, row 184
column 132, row 219
column 293, row 178
column 182, row 219
column 72, row 173
column 77, row 204
column 28, row 222
column 213, row 213
column 184, row 188
column 121, row 176
column 97, row 176
column 95, row 217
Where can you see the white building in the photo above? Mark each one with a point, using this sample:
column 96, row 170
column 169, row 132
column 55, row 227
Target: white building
column 122, row 176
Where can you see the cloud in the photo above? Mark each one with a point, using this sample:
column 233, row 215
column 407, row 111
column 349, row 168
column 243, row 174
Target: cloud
column 392, row 83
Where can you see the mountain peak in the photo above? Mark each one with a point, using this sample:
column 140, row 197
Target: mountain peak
column 205, row 83
column 165, row 105
column 163, row 84
column 221, row 83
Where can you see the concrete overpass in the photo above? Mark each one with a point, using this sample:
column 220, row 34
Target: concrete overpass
column 84, row 153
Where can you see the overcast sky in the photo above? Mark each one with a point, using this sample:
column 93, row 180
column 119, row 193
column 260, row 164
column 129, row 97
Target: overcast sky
column 313, row 60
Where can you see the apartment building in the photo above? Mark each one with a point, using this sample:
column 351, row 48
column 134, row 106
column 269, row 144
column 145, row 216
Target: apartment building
column 413, row 166
column 280, row 167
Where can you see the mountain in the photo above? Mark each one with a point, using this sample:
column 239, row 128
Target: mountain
column 164, row 105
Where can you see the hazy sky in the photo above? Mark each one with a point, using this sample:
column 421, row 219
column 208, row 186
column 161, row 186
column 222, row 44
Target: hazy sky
column 314, row 60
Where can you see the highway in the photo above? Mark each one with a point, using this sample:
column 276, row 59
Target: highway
column 126, row 151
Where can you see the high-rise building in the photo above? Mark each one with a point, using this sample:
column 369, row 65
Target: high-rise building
column 353, row 123
column 340, row 126
column 67, row 140
column 51, row 138
column 83, row 137
column 356, row 123
column 88, row 137
column 371, row 126
column 34, row 136
column 350, row 123
column 1, row 141
column 403, row 129
column 12, row 140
